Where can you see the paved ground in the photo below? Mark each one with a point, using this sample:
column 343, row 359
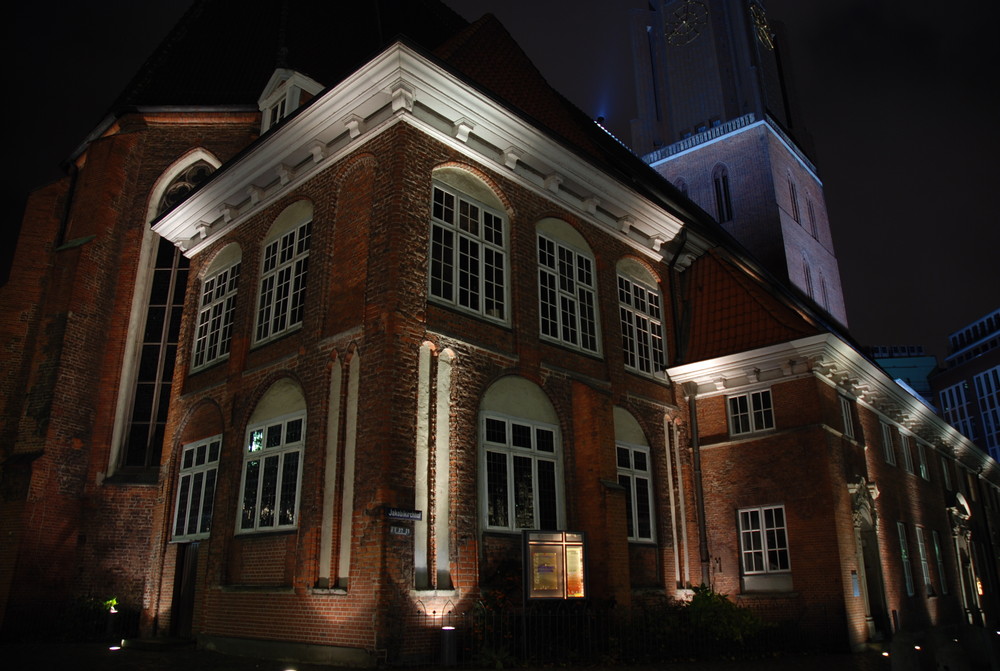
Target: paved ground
column 97, row 657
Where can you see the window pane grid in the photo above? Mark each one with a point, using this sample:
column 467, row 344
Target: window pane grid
column 567, row 295
column 271, row 475
column 215, row 317
column 521, row 482
column 764, row 540
column 634, row 476
column 283, row 283
column 196, row 490
column 475, row 262
column 751, row 412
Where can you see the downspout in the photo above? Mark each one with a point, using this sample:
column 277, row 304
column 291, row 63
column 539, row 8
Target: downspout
column 679, row 352
column 691, row 390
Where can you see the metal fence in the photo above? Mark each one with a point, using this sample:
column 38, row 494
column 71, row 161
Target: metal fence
column 580, row 636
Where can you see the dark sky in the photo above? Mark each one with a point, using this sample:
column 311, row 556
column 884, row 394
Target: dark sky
column 896, row 95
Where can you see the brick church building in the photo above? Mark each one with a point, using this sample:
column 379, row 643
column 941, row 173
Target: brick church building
column 311, row 334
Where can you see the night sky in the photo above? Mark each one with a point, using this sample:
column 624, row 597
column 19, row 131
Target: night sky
column 896, row 96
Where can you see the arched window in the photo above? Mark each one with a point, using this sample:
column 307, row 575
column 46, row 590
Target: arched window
column 272, row 460
column 793, row 199
column 468, row 252
column 567, row 287
column 723, row 199
column 216, row 307
column 635, row 475
column 520, row 459
column 641, row 316
column 283, row 273
column 157, row 328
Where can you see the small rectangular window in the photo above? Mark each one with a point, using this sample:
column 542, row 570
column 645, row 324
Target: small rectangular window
column 925, row 472
column 750, row 412
column 764, row 540
column 846, row 417
column 887, row 449
column 904, row 446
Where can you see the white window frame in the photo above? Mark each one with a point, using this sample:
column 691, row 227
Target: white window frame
column 641, row 315
column 216, row 307
column 942, row 576
column 904, row 446
column 925, row 569
column 752, row 418
column 510, row 453
column 252, row 519
column 763, row 545
column 634, row 467
column 194, row 501
column 567, row 302
column 468, row 261
column 922, row 466
column 846, row 416
column 946, row 473
column 904, row 554
column 282, row 289
column 888, row 452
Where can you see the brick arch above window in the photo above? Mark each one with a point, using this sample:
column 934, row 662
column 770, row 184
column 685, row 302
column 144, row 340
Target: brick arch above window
column 273, row 454
column 475, row 183
column 469, row 246
column 216, row 307
column 634, row 475
column 283, row 272
column 520, row 458
column 567, row 287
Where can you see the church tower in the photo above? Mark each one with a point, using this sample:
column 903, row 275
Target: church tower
column 717, row 121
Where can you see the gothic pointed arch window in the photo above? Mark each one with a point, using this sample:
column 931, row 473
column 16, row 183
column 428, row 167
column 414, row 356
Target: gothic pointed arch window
column 723, row 198
column 154, row 327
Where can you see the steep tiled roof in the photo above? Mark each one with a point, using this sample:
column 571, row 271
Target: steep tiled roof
column 730, row 311
column 489, row 56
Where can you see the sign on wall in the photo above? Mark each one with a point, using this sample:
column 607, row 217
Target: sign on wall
column 555, row 564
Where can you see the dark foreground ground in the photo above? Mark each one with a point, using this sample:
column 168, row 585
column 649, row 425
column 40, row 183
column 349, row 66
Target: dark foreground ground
column 97, row 657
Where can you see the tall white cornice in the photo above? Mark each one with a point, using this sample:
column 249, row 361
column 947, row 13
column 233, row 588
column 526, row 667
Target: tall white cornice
column 833, row 361
column 401, row 86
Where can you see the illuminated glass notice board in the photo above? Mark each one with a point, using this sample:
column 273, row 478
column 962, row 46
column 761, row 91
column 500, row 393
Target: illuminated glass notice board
column 556, row 565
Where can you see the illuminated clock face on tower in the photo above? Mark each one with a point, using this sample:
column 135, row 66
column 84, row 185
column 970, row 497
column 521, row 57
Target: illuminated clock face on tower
column 761, row 26
column 685, row 23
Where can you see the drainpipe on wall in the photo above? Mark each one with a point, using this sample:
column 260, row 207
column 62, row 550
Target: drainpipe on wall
column 680, row 350
column 691, row 391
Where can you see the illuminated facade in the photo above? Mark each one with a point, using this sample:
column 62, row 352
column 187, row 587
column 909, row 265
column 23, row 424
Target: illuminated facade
column 967, row 387
column 715, row 120
column 415, row 324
